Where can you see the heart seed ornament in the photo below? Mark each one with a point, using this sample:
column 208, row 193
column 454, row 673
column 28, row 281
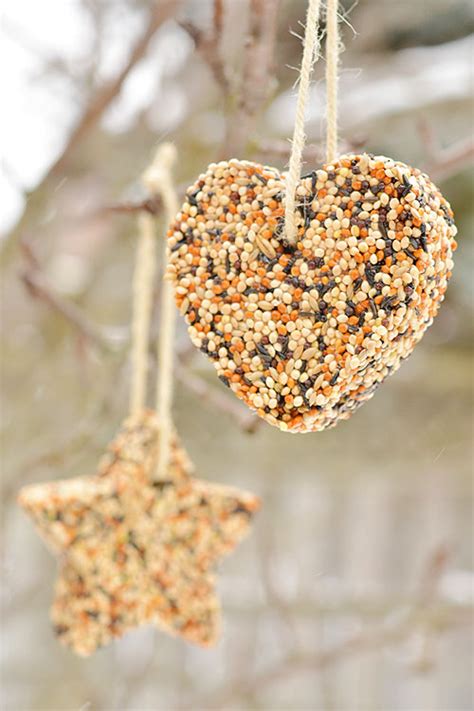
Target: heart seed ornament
column 304, row 333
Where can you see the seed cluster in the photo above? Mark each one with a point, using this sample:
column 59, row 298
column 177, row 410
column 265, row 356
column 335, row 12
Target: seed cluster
column 135, row 550
column 305, row 333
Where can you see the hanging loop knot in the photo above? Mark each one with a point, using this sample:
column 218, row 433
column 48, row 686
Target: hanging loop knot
column 310, row 55
column 158, row 172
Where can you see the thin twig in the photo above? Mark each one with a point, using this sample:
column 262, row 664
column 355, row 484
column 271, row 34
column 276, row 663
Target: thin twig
column 442, row 163
column 429, row 628
column 247, row 421
column 387, row 634
column 453, row 160
column 208, row 45
column 151, row 205
column 366, row 641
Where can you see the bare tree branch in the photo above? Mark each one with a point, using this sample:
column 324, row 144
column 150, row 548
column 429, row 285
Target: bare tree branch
column 363, row 642
column 152, row 205
column 161, row 11
column 256, row 82
column 38, row 289
column 98, row 103
column 442, row 163
column 100, row 337
column 389, row 633
column 246, row 420
column 208, row 45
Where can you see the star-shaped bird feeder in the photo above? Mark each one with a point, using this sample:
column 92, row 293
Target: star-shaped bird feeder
column 135, row 550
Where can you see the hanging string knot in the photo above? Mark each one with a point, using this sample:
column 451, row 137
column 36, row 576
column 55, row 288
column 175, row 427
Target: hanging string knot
column 310, row 55
column 158, row 172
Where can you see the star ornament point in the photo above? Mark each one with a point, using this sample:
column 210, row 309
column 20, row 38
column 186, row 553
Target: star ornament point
column 136, row 551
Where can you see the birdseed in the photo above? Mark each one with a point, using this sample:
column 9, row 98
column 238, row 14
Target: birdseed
column 305, row 334
column 134, row 550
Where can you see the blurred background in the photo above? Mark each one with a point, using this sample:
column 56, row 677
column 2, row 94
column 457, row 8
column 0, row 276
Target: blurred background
column 355, row 588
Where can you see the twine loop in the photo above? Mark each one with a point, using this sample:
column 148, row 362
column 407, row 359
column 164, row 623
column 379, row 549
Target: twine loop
column 310, row 55
column 157, row 178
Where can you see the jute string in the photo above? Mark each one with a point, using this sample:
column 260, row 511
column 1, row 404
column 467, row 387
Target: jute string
column 142, row 306
column 310, row 55
column 159, row 181
column 332, row 60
